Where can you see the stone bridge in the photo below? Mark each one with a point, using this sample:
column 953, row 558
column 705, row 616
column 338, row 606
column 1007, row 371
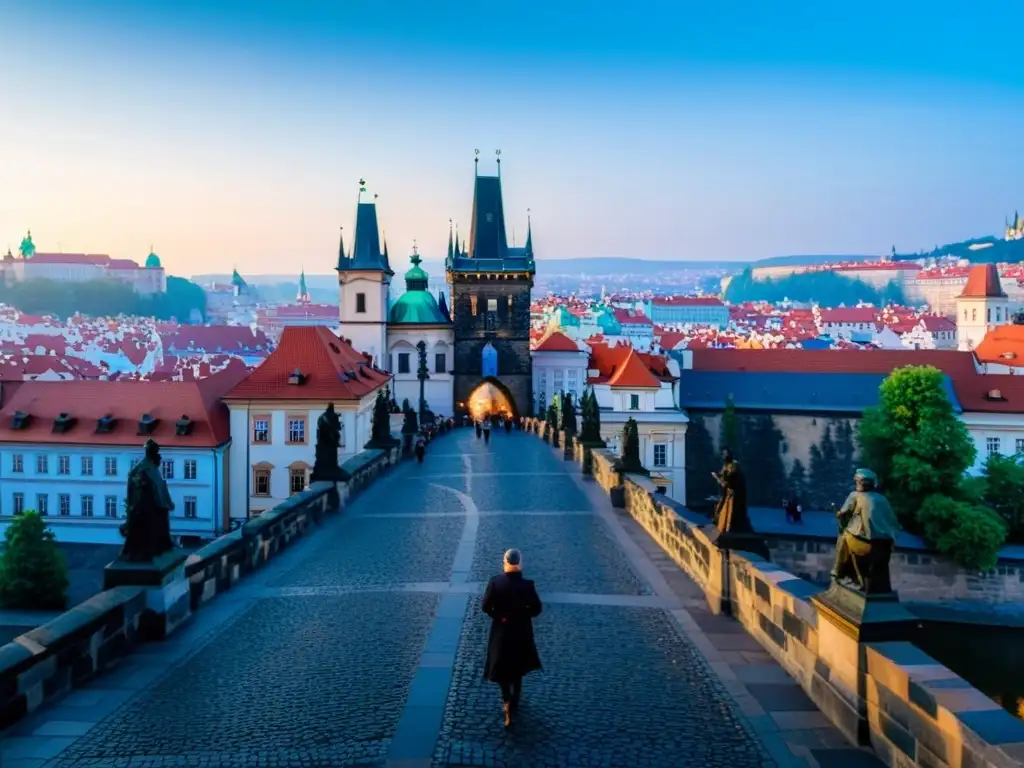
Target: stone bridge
column 363, row 643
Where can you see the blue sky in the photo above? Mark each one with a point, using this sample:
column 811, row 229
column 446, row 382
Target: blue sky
column 234, row 133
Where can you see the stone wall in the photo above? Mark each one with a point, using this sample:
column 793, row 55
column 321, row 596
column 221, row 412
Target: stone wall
column 45, row 664
column 918, row 576
column 910, row 709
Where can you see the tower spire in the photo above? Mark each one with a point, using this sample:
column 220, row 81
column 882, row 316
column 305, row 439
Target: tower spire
column 451, row 248
column 476, row 162
column 529, row 235
column 341, row 249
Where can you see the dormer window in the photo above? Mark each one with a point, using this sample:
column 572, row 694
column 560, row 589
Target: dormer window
column 296, row 378
column 63, row 423
column 184, row 426
column 147, row 424
column 994, row 394
column 20, row 420
column 105, row 424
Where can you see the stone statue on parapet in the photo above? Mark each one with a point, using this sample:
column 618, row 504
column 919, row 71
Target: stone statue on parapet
column 868, row 530
column 328, row 441
column 731, row 515
column 147, row 531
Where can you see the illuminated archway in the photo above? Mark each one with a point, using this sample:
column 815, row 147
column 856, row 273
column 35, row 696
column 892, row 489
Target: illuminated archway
column 490, row 398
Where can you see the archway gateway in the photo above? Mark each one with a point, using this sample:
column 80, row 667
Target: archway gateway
column 490, row 398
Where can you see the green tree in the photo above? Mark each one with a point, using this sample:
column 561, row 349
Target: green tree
column 765, row 472
column 729, row 434
column 568, row 415
column 920, row 451
column 630, row 460
column 590, row 434
column 552, row 421
column 701, row 461
column 826, row 288
column 33, row 572
column 1003, row 490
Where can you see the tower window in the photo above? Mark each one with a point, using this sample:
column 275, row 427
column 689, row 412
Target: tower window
column 492, row 305
column 361, row 303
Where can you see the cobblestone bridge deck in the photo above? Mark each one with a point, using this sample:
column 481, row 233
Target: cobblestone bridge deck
column 363, row 645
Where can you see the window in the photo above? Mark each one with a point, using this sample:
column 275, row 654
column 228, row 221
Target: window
column 17, row 463
column 559, row 380
column 440, row 362
column 167, row 469
column 634, row 402
column 42, row 464
column 260, row 429
column 18, row 502
column 63, row 465
column 43, row 504
column 296, row 429
column 87, row 465
column 261, row 482
column 992, row 445
column 573, row 374
column 492, row 305
column 190, row 506
column 403, row 362
column 87, row 506
column 472, row 304
column 110, row 466
column 190, row 469
column 361, row 303
column 660, row 455
column 64, row 504
column 1020, row 445
column 988, row 315
column 110, row 506
column 296, row 481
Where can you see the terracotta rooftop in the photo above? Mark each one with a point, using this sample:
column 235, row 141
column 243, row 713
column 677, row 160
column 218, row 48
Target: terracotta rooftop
column 330, row 370
column 556, row 341
column 983, row 283
column 611, row 362
column 1004, row 344
column 632, row 373
column 127, row 403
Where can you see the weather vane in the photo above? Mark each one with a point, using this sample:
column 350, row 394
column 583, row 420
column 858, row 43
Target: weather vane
column 415, row 249
column 362, row 185
column 476, row 151
column 497, row 152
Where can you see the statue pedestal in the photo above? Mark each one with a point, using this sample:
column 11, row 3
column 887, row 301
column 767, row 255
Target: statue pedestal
column 168, row 602
column 748, row 541
column 847, row 619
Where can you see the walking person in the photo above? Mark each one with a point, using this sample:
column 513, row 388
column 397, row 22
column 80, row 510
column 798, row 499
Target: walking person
column 479, row 429
column 487, row 429
column 512, row 603
column 508, row 424
column 421, row 447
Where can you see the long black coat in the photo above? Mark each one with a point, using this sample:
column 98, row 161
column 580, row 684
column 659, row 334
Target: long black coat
column 512, row 603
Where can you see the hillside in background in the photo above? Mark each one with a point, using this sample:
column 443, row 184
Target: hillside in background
column 809, row 259
column 977, row 250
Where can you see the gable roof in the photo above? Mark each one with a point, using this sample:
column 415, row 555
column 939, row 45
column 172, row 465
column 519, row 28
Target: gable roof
column 633, row 373
column 556, row 341
column 127, row 401
column 331, row 370
column 610, row 363
column 1004, row 344
column 983, row 283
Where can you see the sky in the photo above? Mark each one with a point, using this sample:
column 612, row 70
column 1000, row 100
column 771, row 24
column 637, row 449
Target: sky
column 233, row 133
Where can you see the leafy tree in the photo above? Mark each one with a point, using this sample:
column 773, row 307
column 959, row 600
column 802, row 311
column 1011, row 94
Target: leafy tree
column 729, row 434
column 380, row 431
column 568, row 415
column 765, row 472
column 1002, row 488
column 630, row 460
column 826, row 288
column 920, row 451
column 700, row 463
column 33, row 572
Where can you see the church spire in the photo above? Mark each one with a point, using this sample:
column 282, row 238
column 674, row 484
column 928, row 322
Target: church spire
column 303, row 296
column 451, row 249
column 529, row 236
column 366, row 252
column 341, row 249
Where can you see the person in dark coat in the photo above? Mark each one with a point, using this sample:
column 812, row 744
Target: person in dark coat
column 512, row 603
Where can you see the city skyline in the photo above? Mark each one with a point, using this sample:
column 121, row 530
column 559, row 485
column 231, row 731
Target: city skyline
column 236, row 136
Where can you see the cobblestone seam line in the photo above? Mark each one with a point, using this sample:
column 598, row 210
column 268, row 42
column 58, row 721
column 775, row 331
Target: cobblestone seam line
column 415, row 739
column 767, row 734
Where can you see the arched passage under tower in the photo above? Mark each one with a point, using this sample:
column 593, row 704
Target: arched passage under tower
column 490, row 398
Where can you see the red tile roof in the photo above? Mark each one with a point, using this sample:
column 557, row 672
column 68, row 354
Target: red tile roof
column 609, row 361
column 849, row 315
column 331, row 369
column 217, row 338
column 556, row 341
column 127, row 402
column 1004, row 344
column 983, row 283
column 626, row 317
column 632, row 373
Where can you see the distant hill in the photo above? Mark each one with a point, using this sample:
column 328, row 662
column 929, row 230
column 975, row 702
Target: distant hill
column 979, row 250
column 807, row 260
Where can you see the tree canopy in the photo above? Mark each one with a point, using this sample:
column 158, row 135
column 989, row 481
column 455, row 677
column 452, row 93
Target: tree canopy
column 105, row 298
column 33, row 572
column 827, row 288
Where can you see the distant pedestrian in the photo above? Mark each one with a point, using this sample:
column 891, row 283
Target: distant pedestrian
column 508, row 424
column 487, row 429
column 512, row 603
column 479, row 429
column 421, row 447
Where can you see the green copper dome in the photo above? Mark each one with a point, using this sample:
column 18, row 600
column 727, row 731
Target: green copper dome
column 153, row 261
column 417, row 305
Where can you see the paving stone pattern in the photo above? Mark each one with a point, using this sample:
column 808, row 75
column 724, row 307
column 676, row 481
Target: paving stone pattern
column 620, row 688
column 357, row 646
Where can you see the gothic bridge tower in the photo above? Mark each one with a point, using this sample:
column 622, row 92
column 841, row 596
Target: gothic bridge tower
column 490, row 285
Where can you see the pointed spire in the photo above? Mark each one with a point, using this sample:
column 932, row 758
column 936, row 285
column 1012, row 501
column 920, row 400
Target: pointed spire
column 529, row 235
column 442, row 304
column 342, row 258
column 451, row 250
column 303, row 292
column 366, row 251
column 458, row 249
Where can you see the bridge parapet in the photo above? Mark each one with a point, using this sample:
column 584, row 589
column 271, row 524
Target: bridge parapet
column 46, row 663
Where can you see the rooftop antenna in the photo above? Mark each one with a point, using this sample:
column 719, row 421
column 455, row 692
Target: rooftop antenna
column 497, row 153
column 476, row 162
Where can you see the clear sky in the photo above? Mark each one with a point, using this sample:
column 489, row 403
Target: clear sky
column 234, row 132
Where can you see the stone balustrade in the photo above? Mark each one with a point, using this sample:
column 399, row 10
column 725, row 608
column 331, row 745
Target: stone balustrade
column 910, row 709
column 46, row 663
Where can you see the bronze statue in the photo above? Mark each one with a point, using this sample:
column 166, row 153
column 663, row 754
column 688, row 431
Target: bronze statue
column 731, row 514
column 328, row 441
column 868, row 531
column 147, row 531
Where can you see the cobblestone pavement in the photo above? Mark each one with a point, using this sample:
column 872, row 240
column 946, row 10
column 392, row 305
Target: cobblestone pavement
column 364, row 644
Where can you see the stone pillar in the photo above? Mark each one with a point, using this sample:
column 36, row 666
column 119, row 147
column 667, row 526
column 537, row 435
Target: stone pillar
column 168, row 605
